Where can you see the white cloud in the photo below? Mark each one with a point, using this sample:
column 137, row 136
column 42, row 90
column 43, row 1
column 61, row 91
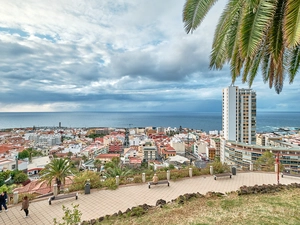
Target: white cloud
column 80, row 55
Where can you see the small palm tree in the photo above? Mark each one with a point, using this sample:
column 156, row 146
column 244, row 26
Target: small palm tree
column 115, row 168
column 117, row 171
column 58, row 170
column 98, row 164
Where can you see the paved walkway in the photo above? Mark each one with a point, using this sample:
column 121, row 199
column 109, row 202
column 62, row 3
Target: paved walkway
column 103, row 202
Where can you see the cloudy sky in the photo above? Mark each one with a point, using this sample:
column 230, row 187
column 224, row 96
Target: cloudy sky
column 114, row 55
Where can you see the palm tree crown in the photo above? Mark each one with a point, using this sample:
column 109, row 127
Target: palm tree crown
column 58, row 169
column 252, row 34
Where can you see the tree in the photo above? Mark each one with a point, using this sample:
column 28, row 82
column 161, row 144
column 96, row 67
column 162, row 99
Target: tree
column 252, row 34
column 115, row 168
column 58, row 170
column 265, row 162
column 71, row 216
column 23, row 155
column 20, row 177
column 84, row 158
column 98, row 164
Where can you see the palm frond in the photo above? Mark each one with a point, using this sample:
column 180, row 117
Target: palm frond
column 293, row 63
column 225, row 35
column 254, row 26
column 236, row 65
column 292, row 23
column 246, row 69
column 254, row 67
column 276, row 34
column 194, row 12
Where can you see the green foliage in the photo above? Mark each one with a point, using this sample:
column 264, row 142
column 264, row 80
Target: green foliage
column 84, row 158
column 95, row 135
column 171, row 167
column 265, row 162
column 176, row 174
column 98, row 164
column 29, row 153
column 114, row 168
column 137, row 179
column 196, row 171
column 80, row 180
column 20, row 177
column 30, row 196
column 219, row 167
column 110, row 183
column 71, row 216
column 58, row 169
column 4, row 176
column 3, row 188
column 24, row 154
column 251, row 35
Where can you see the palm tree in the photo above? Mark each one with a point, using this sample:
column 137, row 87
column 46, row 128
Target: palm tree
column 117, row 171
column 252, row 34
column 115, row 168
column 98, row 164
column 58, row 170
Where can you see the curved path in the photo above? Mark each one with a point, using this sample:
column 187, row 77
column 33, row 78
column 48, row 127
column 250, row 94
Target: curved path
column 102, row 202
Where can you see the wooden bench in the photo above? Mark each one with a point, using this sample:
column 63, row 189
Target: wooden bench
column 159, row 182
column 290, row 174
column 222, row 175
column 58, row 197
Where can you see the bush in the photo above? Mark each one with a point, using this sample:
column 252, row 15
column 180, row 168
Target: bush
column 3, row 188
column 110, row 183
column 196, row 171
column 176, row 174
column 219, row 167
column 71, row 216
column 20, row 177
column 137, row 179
column 80, row 180
column 29, row 195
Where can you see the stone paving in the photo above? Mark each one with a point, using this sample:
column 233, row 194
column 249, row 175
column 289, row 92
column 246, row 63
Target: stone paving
column 103, row 202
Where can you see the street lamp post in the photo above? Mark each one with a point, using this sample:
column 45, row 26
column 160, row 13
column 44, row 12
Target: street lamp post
column 277, row 164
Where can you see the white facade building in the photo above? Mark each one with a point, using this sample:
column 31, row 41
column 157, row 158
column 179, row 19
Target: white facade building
column 239, row 115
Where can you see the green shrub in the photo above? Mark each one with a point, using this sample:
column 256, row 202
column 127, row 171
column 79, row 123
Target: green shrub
column 3, row 188
column 20, row 177
column 196, row 171
column 205, row 171
column 71, row 216
column 137, row 179
column 110, row 183
column 171, row 167
column 219, row 167
column 80, row 180
column 30, row 196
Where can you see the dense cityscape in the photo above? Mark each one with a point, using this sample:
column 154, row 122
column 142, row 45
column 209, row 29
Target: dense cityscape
column 30, row 150
column 149, row 112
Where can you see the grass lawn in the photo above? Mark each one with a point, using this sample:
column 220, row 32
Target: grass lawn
column 276, row 208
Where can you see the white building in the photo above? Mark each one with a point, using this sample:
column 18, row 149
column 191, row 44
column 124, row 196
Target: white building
column 239, row 114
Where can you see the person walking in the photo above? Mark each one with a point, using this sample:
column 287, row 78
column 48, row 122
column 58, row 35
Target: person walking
column 25, row 205
column 3, row 202
column 5, row 196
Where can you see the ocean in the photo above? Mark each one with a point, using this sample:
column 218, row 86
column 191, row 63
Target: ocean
column 206, row 121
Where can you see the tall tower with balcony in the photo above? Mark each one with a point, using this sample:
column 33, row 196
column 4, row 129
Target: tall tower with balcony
column 239, row 114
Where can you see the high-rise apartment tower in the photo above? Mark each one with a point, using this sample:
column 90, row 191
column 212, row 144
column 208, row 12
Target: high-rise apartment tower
column 239, row 114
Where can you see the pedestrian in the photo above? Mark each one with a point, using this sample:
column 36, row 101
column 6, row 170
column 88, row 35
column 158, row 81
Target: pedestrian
column 3, row 202
column 5, row 196
column 25, row 205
